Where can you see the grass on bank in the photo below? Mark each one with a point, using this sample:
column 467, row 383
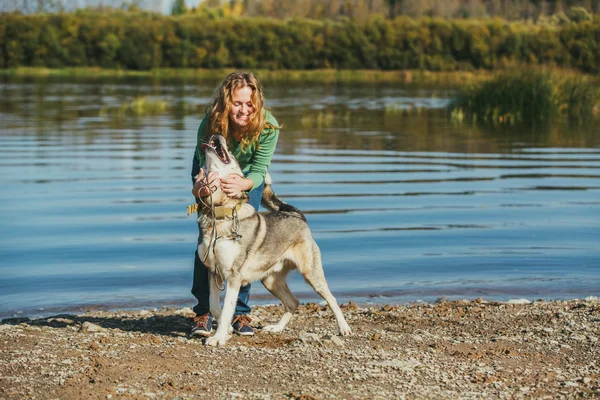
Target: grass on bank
column 420, row 77
column 528, row 98
column 457, row 78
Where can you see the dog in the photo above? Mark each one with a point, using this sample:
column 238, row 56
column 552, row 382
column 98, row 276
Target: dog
column 240, row 246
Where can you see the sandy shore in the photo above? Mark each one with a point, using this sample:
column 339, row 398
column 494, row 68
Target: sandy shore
column 448, row 350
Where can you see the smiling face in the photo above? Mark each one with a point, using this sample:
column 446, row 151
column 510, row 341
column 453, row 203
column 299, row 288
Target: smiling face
column 241, row 107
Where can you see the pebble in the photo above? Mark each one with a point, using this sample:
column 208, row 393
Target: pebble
column 88, row 327
column 569, row 383
column 185, row 311
column 337, row 341
column 518, row 301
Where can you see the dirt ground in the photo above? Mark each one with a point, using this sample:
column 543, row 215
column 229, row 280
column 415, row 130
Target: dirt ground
column 448, row 350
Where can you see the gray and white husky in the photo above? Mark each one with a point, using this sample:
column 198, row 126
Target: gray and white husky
column 240, row 246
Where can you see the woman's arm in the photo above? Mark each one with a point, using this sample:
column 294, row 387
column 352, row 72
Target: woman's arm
column 264, row 152
column 233, row 185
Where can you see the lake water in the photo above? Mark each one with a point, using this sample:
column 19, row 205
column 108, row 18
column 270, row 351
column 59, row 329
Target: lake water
column 405, row 205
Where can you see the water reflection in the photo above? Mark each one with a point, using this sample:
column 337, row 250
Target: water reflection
column 405, row 204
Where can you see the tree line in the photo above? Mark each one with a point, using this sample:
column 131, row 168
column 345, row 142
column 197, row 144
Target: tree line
column 331, row 9
column 390, row 9
column 139, row 40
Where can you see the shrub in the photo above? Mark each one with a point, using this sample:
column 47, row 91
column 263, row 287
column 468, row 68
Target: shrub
column 139, row 40
column 527, row 98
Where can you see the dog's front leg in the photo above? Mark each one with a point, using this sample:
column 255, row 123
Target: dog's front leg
column 222, row 334
column 215, row 294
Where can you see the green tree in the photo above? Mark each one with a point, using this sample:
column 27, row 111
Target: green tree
column 178, row 7
column 109, row 46
column 579, row 14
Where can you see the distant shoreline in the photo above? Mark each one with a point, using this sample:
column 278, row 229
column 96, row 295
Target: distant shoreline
column 319, row 75
column 422, row 78
column 454, row 78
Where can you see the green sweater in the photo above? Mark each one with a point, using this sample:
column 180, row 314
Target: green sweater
column 255, row 160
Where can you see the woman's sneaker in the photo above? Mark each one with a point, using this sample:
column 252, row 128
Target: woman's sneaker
column 241, row 325
column 203, row 325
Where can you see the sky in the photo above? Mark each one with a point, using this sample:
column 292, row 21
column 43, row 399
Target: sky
column 163, row 6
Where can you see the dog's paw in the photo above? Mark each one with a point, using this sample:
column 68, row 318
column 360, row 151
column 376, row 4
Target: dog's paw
column 273, row 328
column 345, row 330
column 216, row 341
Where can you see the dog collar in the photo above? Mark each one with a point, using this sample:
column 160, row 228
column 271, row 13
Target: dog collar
column 222, row 212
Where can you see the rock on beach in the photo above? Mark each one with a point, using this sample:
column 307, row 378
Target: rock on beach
column 452, row 349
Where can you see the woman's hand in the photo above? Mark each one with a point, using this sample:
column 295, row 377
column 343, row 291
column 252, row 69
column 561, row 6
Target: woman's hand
column 202, row 188
column 234, row 185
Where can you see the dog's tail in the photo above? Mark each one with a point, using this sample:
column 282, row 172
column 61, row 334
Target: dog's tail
column 273, row 203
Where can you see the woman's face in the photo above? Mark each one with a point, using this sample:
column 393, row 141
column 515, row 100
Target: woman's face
column 242, row 108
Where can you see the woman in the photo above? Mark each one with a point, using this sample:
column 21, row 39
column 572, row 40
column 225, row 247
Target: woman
column 236, row 112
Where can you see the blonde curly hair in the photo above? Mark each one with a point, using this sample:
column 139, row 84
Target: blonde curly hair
column 221, row 103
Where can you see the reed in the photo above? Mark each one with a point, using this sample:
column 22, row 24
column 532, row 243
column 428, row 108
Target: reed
column 138, row 107
column 580, row 100
column 527, row 98
column 320, row 119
